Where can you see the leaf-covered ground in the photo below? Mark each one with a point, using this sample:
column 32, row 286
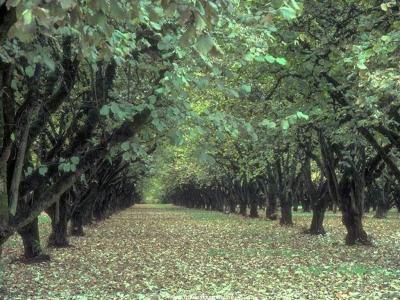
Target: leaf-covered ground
column 164, row 251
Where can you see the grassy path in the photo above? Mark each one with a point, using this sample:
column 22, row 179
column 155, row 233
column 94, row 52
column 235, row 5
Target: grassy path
column 164, row 251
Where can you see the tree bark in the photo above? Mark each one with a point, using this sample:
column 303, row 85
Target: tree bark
column 355, row 231
column 59, row 223
column 77, row 224
column 243, row 208
column 317, row 222
column 19, row 164
column 5, row 142
column 271, row 208
column 253, row 209
column 64, row 182
column 3, row 197
column 286, row 213
column 382, row 205
column 352, row 197
column 7, row 20
column 242, row 201
column 31, row 240
column 385, row 156
column 232, row 204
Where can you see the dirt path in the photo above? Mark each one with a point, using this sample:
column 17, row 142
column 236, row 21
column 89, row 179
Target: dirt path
column 164, row 251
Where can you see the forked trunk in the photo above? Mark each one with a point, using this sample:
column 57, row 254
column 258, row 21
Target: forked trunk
column 355, row 231
column 317, row 223
column 352, row 196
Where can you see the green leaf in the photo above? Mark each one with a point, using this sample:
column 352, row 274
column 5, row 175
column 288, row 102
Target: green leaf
column 27, row 16
column 200, row 24
column 75, row 160
column 204, row 44
column 29, row 171
column 268, row 124
column 206, row 159
column 301, row 115
column 281, row 60
column 269, row 58
column 166, row 43
column 115, row 108
column 29, row 71
column 158, row 124
column 176, row 138
column 249, row 56
column 277, row 3
column 200, row 8
column 116, row 10
column 234, row 93
column 49, row 63
column 126, row 156
column 66, row 4
column 246, row 88
column 285, row 124
column 362, row 66
column 105, row 110
column 288, row 12
column 295, row 5
column 155, row 25
column 43, row 170
column 14, row 85
column 66, row 167
column 125, row 146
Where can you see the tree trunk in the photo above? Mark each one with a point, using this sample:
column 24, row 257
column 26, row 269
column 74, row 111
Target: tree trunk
column 367, row 207
column 317, row 223
column 397, row 203
column 286, row 213
column 271, row 208
column 382, row 206
column 355, row 231
column 352, row 196
column 232, row 206
column 77, row 224
column 59, row 223
column 4, row 154
column 31, row 240
column 243, row 208
column 253, row 209
column 219, row 198
column 306, row 205
column 3, row 199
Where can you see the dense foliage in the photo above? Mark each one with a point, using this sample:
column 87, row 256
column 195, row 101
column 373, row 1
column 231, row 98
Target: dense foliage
column 317, row 128
column 222, row 105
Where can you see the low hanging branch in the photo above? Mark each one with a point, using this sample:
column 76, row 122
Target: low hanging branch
column 389, row 162
column 64, row 182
